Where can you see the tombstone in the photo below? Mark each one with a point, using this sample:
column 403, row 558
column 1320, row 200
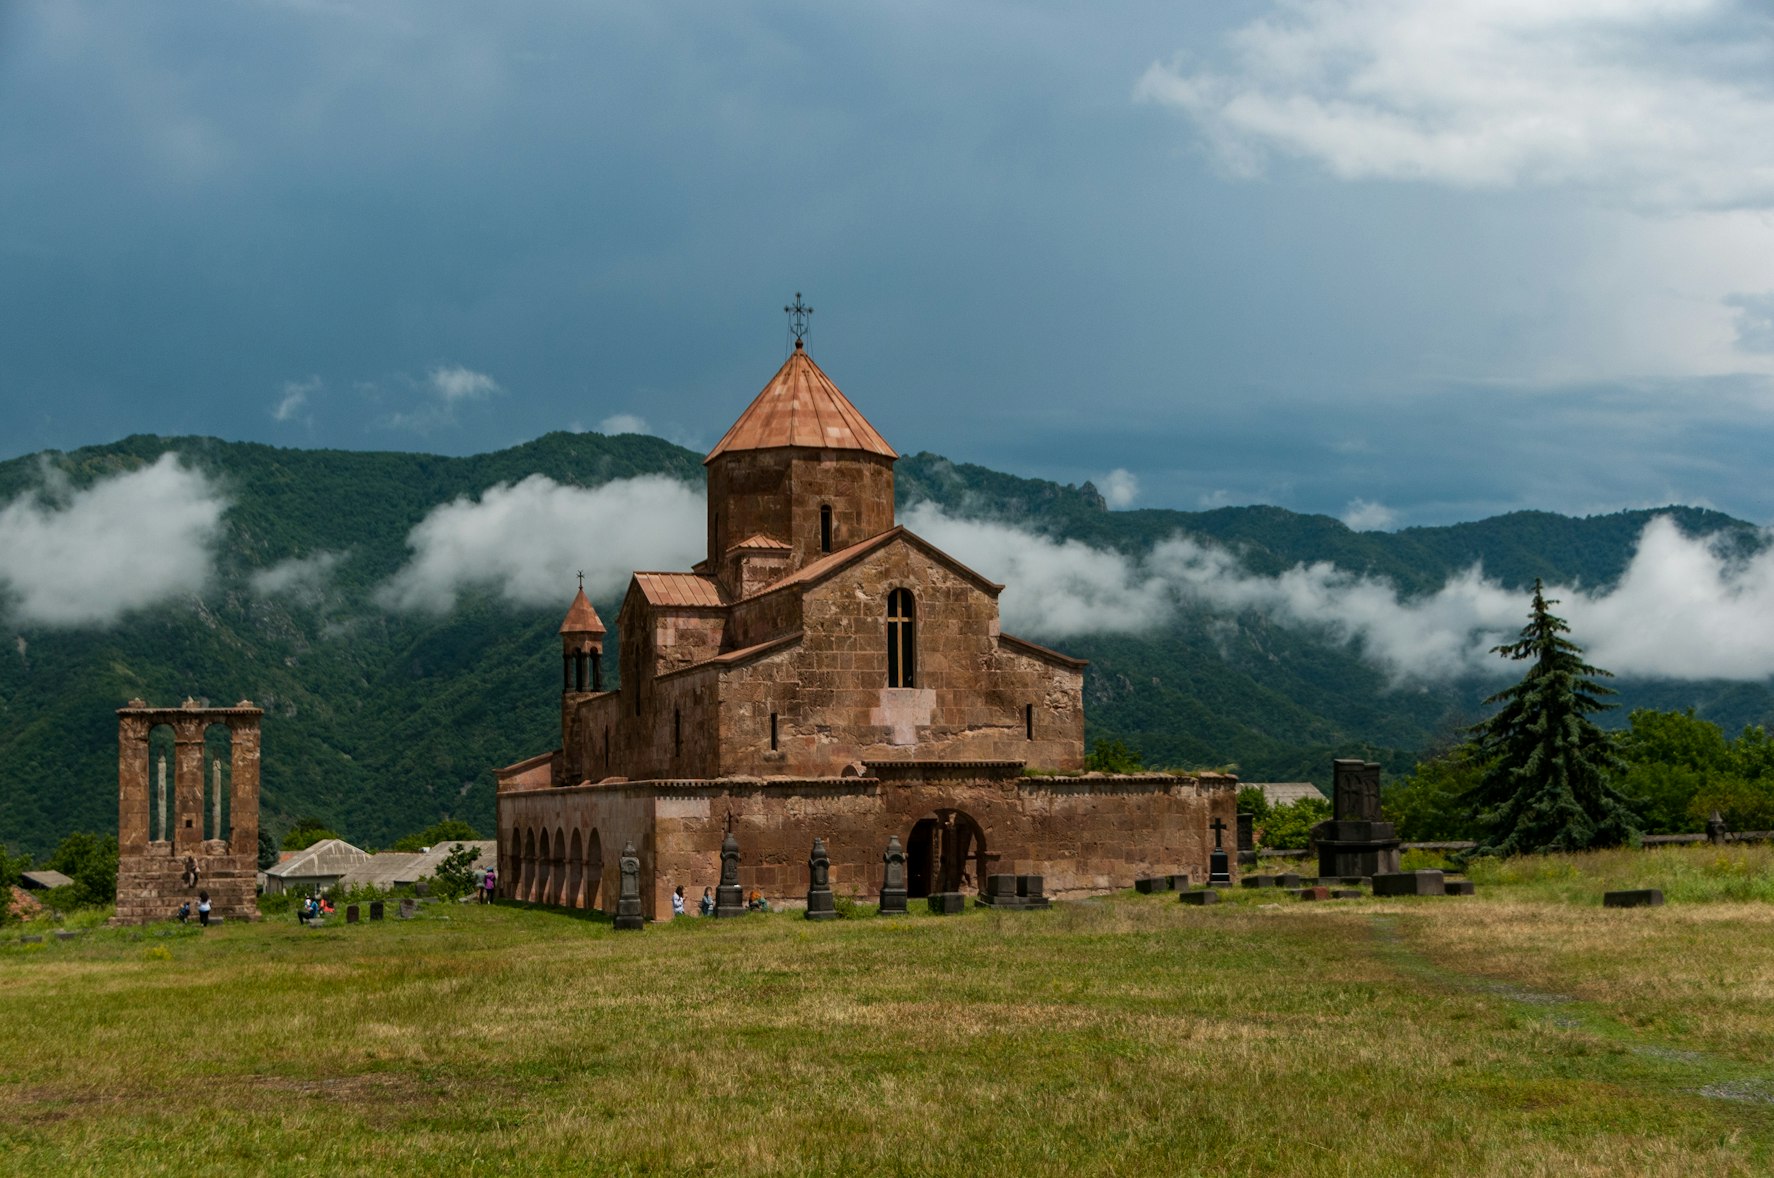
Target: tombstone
column 1715, row 828
column 1346, row 893
column 1178, row 882
column 62, row 934
column 1315, row 893
column 1031, row 890
column 1289, row 879
column 729, row 896
column 1219, row 873
column 422, row 889
column 947, row 903
column 1258, row 881
column 1247, row 839
column 1633, row 898
column 819, row 884
column 628, row 900
column 375, row 910
column 1152, row 883
column 1355, row 841
column 409, row 908
column 1000, row 892
column 1409, row 883
column 893, row 890
column 1204, row 896
column 1458, row 887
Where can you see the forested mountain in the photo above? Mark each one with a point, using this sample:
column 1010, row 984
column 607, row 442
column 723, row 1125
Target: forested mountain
column 379, row 721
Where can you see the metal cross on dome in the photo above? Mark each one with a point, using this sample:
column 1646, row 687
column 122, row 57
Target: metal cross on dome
column 797, row 317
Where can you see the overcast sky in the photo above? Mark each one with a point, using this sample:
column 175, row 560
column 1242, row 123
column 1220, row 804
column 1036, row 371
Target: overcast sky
column 1396, row 262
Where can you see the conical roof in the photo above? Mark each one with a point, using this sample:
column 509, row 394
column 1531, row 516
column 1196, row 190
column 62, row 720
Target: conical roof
column 801, row 407
column 581, row 618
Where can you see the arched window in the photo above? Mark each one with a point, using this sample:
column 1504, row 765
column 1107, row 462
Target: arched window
column 825, row 527
column 902, row 640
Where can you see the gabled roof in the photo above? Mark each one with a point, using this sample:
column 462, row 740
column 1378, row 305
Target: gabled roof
column 683, row 590
column 328, row 857
column 801, row 407
column 581, row 617
column 1042, row 652
column 825, row 566
column 43, row 877
column 760, row 543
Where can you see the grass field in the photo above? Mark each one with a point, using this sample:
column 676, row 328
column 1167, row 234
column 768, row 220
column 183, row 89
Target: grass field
column 1523, row 1031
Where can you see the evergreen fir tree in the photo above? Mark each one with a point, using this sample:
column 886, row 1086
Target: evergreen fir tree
column 1548, row 769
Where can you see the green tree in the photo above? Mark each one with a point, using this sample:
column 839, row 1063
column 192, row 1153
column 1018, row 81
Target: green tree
column 438, row 833
column 1547, row 780
column 305, row 833
column 1671, row 758
column 1108, row 755
column 455, row 875
column 90, row 860
column 1430, row 804
column 1252, row 801
column 267, row 849
column 10, row 867
column 1289, row 827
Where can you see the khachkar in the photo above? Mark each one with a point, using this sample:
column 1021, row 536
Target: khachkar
column 820, row 903
column 165, row 860
column 893, row 889
column 1355, row 842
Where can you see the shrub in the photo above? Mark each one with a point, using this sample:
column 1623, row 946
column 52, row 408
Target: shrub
column 1108, row 755
column 455, row 875
column 1251, row 800
column 90, row 860
column 1289, row 827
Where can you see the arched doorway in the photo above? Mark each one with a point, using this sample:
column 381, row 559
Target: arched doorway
column 526, row 890
column 557, row 871
column 945, row 852
column 576, row 872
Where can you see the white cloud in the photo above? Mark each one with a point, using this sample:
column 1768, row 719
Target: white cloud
column 454, row 383
column 1754, row 325
column 1120, row 487
column 294, row 398
column 1364, row 516
column 1662, row 104
column 86, row 558
column 301, row 578
column 526, row 540
column 623, row 423
column 1682, row 610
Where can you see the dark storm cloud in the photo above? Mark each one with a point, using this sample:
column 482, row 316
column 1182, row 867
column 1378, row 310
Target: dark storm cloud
column 282, row 221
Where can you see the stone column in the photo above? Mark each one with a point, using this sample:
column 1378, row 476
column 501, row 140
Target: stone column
column 132, row 783
column 187, row 785
column 215, row 799
column 243, row 793
column 165, row 830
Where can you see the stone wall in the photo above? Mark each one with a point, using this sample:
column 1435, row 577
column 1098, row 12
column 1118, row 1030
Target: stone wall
column 778, row 493
column 1086, row 834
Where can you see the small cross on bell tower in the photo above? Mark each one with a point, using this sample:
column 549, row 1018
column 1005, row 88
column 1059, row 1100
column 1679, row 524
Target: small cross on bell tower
column 798, row 314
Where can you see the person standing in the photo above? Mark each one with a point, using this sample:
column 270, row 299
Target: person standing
column 203, row 909
column 677, row 901
column 708, row 902
column 488, row 885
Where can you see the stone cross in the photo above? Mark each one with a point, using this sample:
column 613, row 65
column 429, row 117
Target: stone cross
column 797, row 317
column 1218, row 826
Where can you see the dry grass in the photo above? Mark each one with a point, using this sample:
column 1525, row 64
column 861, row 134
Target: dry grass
column 1509, row 1033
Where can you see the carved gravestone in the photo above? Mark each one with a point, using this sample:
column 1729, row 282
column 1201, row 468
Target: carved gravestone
column 351, row 914
column 1219, row 864
column 1355, row 841
column 409, row 908
column 1247, row 839
column 375, row 910
column 1032, row 891
column 893, row 889
column 819, row 884
column 729, row 896
column 1000, row 892
column 628, row 899
column 1715, row 828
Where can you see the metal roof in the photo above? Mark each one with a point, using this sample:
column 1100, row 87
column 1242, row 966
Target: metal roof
column 581, row 618
column 679, row 589
column 325, row 859
column 801, row 407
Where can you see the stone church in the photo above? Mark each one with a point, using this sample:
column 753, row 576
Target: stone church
column 825, row 672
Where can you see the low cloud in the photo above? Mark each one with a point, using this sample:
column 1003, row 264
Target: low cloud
column 293, row 399
column 525, row 541
column 454, row 383
column 1120, row 487
column 305, row 579
column 1363, row 516
column 1755, row 321
column 1684, row 609
column 623, row 423
column 88, row 557
column 1656, row 104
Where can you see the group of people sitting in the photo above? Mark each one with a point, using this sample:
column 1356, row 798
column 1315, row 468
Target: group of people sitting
column 313, row 908
column 757, row 903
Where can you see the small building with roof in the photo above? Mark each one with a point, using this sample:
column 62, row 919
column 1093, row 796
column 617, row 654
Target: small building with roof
column 824, row 671
column 315, row 868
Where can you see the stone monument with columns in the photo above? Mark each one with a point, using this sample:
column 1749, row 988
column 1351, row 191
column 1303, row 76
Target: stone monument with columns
column 165, row 859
